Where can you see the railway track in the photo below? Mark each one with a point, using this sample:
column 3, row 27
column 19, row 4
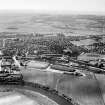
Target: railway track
column 54, row 95
column 89, row 67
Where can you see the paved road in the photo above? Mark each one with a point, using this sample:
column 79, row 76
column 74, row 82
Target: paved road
column 28, row 89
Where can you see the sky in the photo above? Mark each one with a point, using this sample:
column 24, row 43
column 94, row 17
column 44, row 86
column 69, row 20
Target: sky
column 54, row 5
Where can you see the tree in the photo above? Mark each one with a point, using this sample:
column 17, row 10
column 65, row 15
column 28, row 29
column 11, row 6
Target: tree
column 9, row 52
column 97, row 38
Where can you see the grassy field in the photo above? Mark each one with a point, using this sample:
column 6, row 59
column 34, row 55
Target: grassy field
column 46, row 23
column 88, row 90
column 42, row 77
column 84, row 90
column 24, row 97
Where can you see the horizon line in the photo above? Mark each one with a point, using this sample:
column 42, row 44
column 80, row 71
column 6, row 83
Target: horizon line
column 65, row 12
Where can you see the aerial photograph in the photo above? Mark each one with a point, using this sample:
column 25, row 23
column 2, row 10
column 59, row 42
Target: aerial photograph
column 52, row 52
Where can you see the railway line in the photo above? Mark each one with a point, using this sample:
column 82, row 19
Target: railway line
column 54, row 95
column 89, row 67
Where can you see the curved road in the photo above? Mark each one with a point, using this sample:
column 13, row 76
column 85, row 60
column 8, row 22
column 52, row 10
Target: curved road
column 32, row 87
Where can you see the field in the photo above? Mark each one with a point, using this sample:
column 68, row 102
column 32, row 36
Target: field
column 46, row 23
column 88, row 90
column 21, row 97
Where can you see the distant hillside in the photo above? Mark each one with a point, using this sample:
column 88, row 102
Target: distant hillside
column 46, row 23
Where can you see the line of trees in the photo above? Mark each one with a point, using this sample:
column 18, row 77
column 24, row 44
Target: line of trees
column 56, row 45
